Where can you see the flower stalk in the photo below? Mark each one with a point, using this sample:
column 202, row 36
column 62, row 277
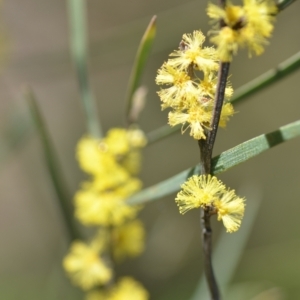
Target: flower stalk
column 206, row 148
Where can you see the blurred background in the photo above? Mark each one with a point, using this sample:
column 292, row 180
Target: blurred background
column 32, row 233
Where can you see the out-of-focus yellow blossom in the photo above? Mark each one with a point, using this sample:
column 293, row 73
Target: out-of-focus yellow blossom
column 120, row 141
column 117, row 141
column 106, row 208
column 110, row 162
column 207, row 191
column 244, row 26
column 231, row 14
column 128, row 240
column 95, row 159
column 90, row 155
column 100, row 183
column 228, row 41
column 230, row 210
column 136, row 137
column 85, row 267
column 132, row 162
column 103, row 158
column 261, row 15
column 192, row 53
column 128, row 289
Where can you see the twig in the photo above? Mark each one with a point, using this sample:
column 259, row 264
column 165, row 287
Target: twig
column 207, row 249
column 206, row 148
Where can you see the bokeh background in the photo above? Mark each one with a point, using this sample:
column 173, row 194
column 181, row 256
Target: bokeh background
column 32, row 232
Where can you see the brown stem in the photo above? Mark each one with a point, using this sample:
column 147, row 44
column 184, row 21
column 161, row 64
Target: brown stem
column 207, row 249
column 220, row 91
column 206, row 148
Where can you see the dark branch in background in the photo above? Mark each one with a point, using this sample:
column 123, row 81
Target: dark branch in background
column 53, row 166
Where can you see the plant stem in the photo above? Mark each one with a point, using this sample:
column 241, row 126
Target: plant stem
column 207, row 249
column 220, row 91
column 206, row 148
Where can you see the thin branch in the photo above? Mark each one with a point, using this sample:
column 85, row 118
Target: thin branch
column 222, row 80
column 206, row 148
column 207, row 249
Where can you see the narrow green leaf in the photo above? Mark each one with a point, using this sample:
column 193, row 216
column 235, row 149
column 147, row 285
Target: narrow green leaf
column 285, row 68
column 14, row 135
column 162, row 132
column 282, row 4
column 222, row 162
column 139, row 63
column 229, row 250
column 52, row 165
column 270, row 77
column 77, row 20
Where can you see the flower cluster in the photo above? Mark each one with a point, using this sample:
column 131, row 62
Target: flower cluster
column 242, row 26
column 112, row 165
column 208, row 192
column 126, row 288
column 191, row 79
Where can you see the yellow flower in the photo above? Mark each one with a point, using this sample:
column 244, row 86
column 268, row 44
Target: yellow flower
column 106, row 208
column 85, row 267
column 117, row 141
column 206, row 190
column 231, row 14
column 132, row 162
column 226, row 112
column 136, row 137
column 260, row 15
column 228, row 41
column 90, row 155
column 182, row 89
column 128, row 239
column 198, row 191
column 118, row 176
column 208, row 86
column 244, row 26
column 192, row 54
column 198, row 117
column 230, row 210
column 95, row 159
column 128, row 289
